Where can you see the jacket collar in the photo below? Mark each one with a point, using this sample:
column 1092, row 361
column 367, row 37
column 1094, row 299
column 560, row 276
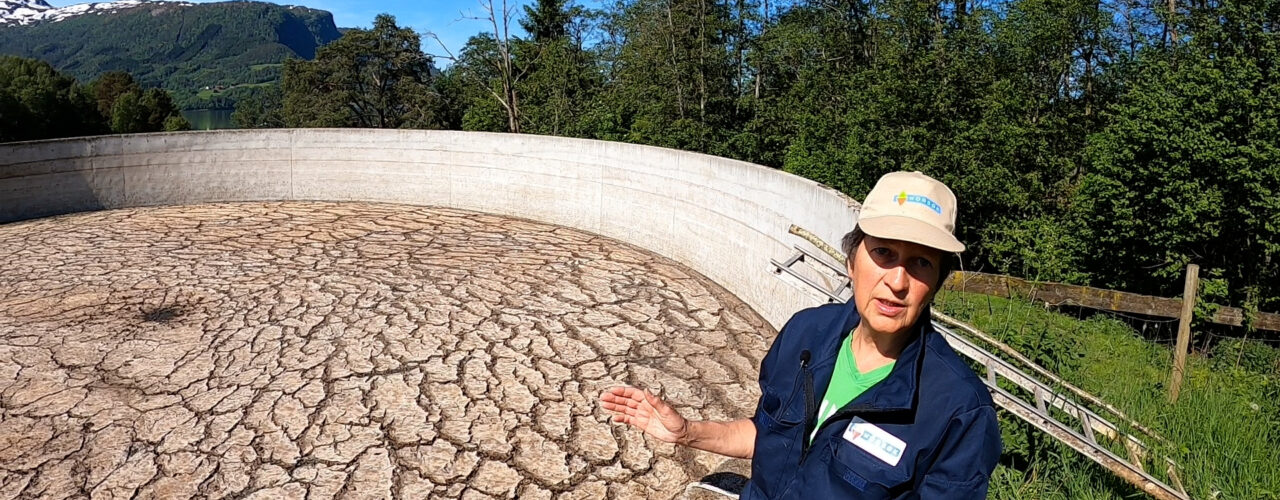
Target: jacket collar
column 899, row 391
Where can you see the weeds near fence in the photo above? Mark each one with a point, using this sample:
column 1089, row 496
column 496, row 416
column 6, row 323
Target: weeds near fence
column 1224, row 432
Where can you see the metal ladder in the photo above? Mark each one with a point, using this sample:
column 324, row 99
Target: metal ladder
column 1060, row 415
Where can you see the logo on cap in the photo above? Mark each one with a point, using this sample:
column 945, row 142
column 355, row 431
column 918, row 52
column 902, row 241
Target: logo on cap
column 904, row 198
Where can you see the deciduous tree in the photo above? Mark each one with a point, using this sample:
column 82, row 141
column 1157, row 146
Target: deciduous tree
column 377, row 78
column 37, row 102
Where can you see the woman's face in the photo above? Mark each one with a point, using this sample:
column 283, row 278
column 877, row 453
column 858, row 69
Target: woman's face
column 893, row 280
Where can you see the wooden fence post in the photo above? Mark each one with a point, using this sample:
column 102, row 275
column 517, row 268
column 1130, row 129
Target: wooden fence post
column 1189, row 289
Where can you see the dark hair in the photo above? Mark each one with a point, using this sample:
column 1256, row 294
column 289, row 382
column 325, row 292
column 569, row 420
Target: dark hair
column 849, row 244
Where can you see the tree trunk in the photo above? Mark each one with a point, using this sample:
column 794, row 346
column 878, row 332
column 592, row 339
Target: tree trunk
column 510, row 101
column 702, row 60
column 760, row 58
column 675, row 60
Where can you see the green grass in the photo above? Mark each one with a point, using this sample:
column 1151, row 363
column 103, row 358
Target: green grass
column 1223, row 432
column 260, row 67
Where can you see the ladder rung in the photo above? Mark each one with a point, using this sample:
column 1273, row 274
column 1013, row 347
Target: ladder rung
column 803, row 255
column 1135, row 455
column 820, row 260
column 1173, row 476
column 791, row 261
column 1088, row 426
column 805, row 279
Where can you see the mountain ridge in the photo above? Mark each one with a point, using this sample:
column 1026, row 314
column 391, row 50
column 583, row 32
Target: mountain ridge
column 196, row 51
column 26, row 12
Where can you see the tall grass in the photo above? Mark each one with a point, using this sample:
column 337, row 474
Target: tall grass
column 1223, row 431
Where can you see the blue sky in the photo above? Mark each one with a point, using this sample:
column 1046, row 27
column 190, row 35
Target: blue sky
column 448, row 19
column 445, row 18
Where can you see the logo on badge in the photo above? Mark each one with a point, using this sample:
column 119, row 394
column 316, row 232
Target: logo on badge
column 874, row 440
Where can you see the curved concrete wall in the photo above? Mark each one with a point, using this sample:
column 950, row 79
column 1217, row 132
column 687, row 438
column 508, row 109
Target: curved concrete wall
column 722, row 217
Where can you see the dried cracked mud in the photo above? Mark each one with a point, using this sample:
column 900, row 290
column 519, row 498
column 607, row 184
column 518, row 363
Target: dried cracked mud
column 320, row 350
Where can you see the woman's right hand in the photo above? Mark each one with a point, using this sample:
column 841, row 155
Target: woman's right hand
column 641, row 409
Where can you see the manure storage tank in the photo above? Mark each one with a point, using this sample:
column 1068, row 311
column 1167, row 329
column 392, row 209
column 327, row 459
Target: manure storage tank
column 378, row 313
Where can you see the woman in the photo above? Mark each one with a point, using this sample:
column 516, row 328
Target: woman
column 864, row 399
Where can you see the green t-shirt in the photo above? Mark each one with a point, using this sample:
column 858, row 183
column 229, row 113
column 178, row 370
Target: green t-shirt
column 847, row 382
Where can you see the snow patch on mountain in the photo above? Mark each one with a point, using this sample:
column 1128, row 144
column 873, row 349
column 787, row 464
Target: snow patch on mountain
column 33, row 11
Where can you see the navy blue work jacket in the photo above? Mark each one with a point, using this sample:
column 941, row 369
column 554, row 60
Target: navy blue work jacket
column 931, row 415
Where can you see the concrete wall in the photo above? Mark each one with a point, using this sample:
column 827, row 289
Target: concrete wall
column 722, row 217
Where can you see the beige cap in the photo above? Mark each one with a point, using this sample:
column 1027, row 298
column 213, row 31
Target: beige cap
column 911, row 206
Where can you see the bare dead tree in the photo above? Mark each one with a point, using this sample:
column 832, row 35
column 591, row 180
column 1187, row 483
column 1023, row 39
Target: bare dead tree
column 502, row 61
column 501, row 23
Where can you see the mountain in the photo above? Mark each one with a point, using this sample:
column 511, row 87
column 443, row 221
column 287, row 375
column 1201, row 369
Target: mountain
column 23, row 11
column 196, row 51
column 34, row 11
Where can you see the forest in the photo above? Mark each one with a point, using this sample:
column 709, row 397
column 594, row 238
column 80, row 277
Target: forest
column 1099, row 142
column 38, row 102
column 206, row 55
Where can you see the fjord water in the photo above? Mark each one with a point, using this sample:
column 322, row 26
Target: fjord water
column 208, row 119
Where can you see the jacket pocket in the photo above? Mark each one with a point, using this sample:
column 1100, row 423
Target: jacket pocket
column 864, row 471
column 779, row 424
column 780, row 411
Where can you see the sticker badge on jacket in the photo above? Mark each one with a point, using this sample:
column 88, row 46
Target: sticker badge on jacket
column 874, row 440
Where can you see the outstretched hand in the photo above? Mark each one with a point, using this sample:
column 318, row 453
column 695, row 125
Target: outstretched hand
column 641, row 409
